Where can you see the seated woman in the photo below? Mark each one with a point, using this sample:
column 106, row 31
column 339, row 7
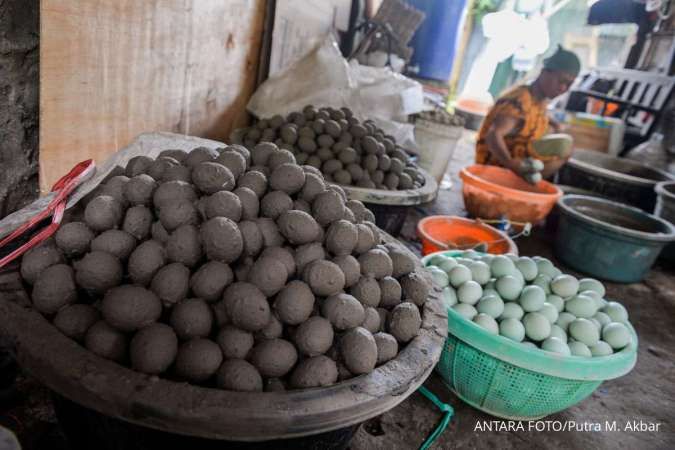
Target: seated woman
column 519, row 117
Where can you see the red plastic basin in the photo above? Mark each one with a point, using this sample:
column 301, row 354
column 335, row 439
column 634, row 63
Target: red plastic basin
column 444, row 232
column 492, row 192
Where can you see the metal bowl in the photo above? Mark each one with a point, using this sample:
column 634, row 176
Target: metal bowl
column 74, row 372
column 116, row 391
column 665, row 208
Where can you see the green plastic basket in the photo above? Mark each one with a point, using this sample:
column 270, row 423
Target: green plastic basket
column 506, row 379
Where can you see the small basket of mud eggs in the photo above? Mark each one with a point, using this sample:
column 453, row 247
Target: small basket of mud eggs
column 242, row 272
column 347, row 151
column 526, row 340
column 357, row 155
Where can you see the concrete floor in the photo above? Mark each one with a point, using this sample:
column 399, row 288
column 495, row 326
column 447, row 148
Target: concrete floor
column 646, row 394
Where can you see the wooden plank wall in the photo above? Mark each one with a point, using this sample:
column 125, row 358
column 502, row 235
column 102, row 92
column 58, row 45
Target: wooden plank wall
column 111, row 69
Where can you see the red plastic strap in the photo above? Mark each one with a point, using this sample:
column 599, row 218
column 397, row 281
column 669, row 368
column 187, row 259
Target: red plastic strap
column 55, row 208
column 76, row 174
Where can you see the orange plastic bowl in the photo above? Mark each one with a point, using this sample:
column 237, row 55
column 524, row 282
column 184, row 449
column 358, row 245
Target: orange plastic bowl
column 492, row 192
column 448, row 232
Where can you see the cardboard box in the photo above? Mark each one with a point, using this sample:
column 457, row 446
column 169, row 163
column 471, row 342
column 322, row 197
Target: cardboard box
column 593, row 132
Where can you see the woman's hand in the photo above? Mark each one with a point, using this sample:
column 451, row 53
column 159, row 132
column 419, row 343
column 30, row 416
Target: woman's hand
column 515, row 166
column 552, row 166
column 556, row 126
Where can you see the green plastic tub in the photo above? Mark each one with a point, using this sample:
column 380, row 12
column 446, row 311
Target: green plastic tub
column 506, row 379
column 609, row 240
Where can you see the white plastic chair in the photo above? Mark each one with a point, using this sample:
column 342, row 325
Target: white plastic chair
column 642, row 93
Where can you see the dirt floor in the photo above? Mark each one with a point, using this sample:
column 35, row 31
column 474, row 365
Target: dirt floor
column 646, row 395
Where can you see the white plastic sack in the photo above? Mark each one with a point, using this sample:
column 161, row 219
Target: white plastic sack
column 325, row 78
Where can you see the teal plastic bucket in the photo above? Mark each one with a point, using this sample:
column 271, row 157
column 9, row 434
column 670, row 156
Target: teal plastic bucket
column 609, row 240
